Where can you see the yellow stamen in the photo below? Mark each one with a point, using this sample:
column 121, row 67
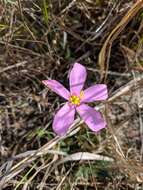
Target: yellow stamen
column 75, row 100
column 81, row 94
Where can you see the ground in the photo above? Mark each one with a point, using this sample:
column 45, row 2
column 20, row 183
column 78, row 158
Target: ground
column 41, row 40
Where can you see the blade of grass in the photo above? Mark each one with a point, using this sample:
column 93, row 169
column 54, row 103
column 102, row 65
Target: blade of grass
column 104, row 55
column 45, row 9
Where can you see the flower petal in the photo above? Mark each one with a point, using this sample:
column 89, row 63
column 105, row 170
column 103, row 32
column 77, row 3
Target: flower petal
column 95, row 93
column 77, row 78
column 63, row 119
column 57, row 88
column 91, row 117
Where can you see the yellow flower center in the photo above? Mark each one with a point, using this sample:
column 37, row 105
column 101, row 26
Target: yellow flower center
column 75, row 100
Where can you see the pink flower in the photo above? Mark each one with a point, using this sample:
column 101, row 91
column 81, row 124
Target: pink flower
column 76, row 100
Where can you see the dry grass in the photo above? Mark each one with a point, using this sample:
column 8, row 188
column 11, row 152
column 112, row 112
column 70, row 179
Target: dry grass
column 42, row 39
